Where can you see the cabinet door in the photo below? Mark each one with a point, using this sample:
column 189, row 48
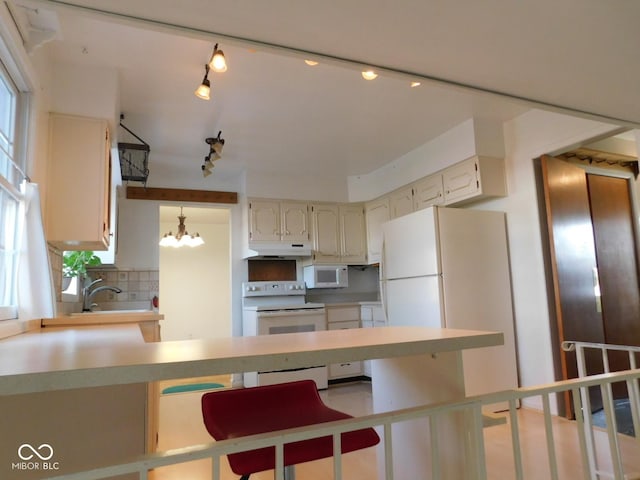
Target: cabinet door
column 353, row 235
column 345, row 369
column 79, row 182
column 428, row 192
column 461, row 181
column 295, row 222
column 401, row 202
column 350, row 313
column 326, row 233
column 264, row 221
column 376, row 213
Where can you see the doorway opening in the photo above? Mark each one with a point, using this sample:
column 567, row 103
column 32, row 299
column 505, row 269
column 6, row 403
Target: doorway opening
column 195, row 282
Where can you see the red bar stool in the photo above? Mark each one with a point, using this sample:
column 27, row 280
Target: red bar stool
column 247, row 411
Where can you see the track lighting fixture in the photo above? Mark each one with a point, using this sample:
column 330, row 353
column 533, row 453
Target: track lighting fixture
column 369, row 75
column 204, row 90
column 182, row 238
column 215, row 153
column 218, row 63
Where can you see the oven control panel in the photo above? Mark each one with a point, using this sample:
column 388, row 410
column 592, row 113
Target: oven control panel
column 270, row 289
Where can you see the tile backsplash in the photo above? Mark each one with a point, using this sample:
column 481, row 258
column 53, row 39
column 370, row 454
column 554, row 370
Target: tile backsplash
column 138, row 288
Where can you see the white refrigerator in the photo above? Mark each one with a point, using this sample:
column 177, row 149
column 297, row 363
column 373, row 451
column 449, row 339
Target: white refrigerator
column 449, row 268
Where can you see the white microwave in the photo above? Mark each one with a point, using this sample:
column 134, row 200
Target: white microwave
column 326, row 276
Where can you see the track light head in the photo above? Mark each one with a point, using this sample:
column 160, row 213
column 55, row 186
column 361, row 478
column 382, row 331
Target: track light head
column 218, row 63
column 204, row 90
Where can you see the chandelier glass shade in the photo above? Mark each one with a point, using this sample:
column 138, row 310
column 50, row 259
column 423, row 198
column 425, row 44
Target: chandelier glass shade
column 182, row 237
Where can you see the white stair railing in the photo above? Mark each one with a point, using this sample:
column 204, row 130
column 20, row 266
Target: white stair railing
column 471, row 408
column 633, row 391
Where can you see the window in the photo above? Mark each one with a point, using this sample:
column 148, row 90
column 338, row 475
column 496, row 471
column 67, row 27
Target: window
column 11, row 168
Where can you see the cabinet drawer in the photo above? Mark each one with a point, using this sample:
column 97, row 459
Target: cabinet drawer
column 344, row 325
column 346, row 369
column 343, row 314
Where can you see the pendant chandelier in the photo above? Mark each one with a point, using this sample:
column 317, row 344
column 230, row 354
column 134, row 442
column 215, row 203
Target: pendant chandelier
column 182, row 238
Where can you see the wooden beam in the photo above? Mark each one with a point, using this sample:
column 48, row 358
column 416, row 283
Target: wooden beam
column 181, row 195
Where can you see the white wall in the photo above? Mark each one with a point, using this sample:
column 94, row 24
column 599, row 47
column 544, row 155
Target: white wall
column 472, row 137
column 295, row 186
column 195, row 284
column 90, row 92
column 525, row 138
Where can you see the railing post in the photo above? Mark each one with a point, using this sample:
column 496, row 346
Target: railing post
column 388, row 452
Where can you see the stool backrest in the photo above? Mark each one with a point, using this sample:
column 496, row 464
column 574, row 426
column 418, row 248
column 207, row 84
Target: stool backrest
column 245, row 411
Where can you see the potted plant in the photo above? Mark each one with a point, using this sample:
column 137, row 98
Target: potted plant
column 75, row 263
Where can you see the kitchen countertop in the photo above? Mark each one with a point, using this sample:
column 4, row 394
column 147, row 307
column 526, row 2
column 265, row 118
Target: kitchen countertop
column 102, row 317
column 77, row 357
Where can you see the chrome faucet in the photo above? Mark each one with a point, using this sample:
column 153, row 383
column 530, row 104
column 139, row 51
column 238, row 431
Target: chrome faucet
column 88, row 294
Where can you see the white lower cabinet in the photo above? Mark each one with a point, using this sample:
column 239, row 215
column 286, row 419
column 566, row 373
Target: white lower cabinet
column 345, row 369
column 371, row 316
column 339, row 318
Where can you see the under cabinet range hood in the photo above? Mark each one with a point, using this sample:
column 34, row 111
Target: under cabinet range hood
column 277, row 249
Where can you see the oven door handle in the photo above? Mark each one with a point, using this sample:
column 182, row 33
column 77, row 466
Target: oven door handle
column 290, row 313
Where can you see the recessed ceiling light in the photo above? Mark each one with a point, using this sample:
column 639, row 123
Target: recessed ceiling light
column 415, row 84
column 369, row 75
column 311, row 63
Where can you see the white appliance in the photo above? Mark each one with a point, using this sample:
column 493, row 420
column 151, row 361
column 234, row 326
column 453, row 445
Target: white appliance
column 326, row 276
column 275, row 307
column 449, row 268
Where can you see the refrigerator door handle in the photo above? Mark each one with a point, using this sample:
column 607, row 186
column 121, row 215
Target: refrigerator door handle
column 383, row 284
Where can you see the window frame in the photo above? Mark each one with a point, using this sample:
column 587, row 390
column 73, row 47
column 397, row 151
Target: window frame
column 15, row 79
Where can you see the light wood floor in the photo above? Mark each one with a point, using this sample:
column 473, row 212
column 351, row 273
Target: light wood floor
column 181, row 425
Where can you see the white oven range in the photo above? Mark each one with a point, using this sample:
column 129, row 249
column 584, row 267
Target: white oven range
column 273, row 307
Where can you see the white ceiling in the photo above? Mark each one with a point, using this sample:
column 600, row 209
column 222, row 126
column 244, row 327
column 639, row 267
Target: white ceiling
column 278, row 114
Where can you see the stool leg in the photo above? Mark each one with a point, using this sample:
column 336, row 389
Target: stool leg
column 290, row 472
column 244, row 477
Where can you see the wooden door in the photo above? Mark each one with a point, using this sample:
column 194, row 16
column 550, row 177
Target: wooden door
column 573, row 262
column 596, row 280
column 615, row 240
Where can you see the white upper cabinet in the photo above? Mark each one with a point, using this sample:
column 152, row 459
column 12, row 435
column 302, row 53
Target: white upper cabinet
column 264, row 221
column 294, row 218
column 278, row 221
column 428, row 191
column 339, row 234
column 401, row 202
column 353, row 235
column 474, row 179
column 376, row 213
column 326, row 233
column 78, row 183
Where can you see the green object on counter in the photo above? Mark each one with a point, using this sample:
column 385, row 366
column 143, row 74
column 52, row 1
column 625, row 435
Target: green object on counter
column 193, row 387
